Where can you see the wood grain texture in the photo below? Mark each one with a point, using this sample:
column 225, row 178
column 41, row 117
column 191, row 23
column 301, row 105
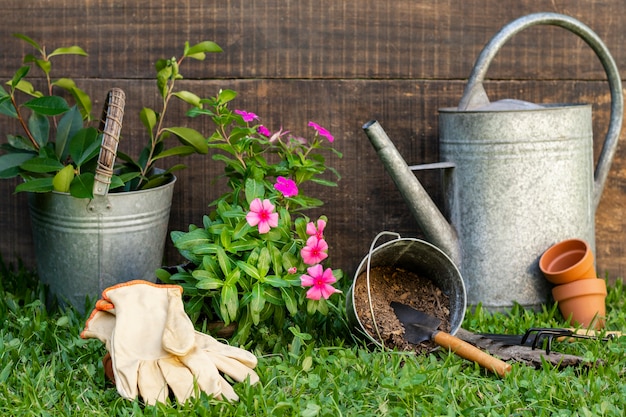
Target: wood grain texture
column 337, row 63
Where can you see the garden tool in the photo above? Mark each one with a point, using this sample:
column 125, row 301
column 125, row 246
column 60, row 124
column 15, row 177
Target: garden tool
column 420, row 327
column 153, row 345
column 543, row 336
column 517, row 177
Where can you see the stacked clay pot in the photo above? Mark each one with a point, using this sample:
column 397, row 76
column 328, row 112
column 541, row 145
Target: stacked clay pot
column 579, row 292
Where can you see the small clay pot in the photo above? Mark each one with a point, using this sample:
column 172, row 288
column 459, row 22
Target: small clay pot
column 582, row 302
column 568, row 261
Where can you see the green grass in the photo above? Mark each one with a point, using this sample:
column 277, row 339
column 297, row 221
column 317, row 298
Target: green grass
column 47, row 370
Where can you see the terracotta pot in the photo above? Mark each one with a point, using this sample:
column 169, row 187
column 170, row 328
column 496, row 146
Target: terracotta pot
column 582, row 302
column 568, row 261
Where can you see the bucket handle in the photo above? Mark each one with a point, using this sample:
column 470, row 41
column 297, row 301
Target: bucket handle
column 110, row 126
column 367, row 279
column 475, row 94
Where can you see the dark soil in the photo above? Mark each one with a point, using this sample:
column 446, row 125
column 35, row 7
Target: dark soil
column 389, row 284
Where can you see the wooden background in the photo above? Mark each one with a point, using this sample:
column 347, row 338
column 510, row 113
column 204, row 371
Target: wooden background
column 337, row 63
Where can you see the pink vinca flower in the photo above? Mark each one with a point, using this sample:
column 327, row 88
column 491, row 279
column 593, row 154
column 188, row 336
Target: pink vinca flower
column 318, row 231
column 286, row 186
column 320, row 281
column 247, row 116
column 264, row 131
column 262, row 214
column 322, row 131
column 315, row 251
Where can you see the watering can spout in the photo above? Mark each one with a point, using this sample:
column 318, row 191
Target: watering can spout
column 434, row 225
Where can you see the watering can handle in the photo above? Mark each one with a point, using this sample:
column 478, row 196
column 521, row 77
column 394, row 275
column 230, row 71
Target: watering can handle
column 474, row 93
column 110, row 127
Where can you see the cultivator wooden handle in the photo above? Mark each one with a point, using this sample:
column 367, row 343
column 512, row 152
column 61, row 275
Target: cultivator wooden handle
column 472, row 353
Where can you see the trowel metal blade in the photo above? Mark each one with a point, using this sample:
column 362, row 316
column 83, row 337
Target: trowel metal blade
column 418, row 326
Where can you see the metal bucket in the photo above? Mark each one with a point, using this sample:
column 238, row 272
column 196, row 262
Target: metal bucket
column 417, row 256
column 84, row 246
column 524, row 176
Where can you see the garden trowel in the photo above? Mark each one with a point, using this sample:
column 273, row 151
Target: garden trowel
column 420, row 327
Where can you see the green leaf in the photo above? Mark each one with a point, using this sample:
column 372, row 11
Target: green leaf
column 69, row 124
column 189, row 98
column 82, row 98
column 116, row 182
column 198, row 50
column 6, row 107
column 19, row 74
column 82, row 185
column 263, row 265
column 48, row 105
column 41, row 164
column 223, row 261
column 193, row 238
column 229, row 303
column 10, row 161
column 207, row 280
column 249, row 270
column 27, row 88
column 257, row 303
column 175, row 151
column 62, row 180
column 254, row 189
column 276, row 281
column 84, row 145
column 27, row 39
column 290, row 300
column 149, row 118
column 190, row 137
column 225, row 96
column 39, row 127
column 71, row 50
column 37, row 185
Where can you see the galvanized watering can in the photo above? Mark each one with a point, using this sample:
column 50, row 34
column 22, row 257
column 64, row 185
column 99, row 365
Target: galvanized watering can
column 518, row 177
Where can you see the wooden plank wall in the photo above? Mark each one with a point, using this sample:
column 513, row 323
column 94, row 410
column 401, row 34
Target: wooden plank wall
column 339, row 64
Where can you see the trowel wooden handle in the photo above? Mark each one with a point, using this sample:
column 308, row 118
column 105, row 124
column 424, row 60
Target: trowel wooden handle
column 472, row 353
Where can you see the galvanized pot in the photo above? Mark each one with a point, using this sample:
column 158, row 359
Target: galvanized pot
column 83, row 246
column 518, row 178
column 414, row 255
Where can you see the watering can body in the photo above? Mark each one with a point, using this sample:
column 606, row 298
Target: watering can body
column 522, row 181
column 518, row 178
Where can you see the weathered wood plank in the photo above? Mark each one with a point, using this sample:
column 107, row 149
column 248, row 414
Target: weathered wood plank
column 323, row 39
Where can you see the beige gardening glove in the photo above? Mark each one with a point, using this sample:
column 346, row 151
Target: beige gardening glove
column 194, row 352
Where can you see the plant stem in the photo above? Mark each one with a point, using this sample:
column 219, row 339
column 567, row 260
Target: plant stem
column 23, row 123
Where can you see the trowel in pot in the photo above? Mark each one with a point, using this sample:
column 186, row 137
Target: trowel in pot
column 420, row 327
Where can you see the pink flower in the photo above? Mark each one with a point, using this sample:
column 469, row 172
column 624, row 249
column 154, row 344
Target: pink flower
column 263, row 131
column 320, row 281
column 315, row 251
column 322, row 131
column 247, row 116
column 292, row 270
column 286, row 186
column 262, row 214
column 318, row 231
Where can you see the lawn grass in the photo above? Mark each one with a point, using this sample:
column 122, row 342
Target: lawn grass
column 47, row 370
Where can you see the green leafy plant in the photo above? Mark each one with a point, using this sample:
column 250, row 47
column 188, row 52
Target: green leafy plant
column 257, row 257
column 59, row 146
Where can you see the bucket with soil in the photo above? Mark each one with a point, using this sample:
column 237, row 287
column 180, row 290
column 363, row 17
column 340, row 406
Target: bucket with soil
column 408, row 271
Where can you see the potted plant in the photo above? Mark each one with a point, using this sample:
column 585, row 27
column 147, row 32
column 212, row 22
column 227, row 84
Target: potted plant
column 257, row 257
column 85, row 242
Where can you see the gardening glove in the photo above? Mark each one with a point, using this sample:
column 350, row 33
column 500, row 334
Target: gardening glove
column 145, row 316
column 208, row 353
column 100, row 325
column 146, row 304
